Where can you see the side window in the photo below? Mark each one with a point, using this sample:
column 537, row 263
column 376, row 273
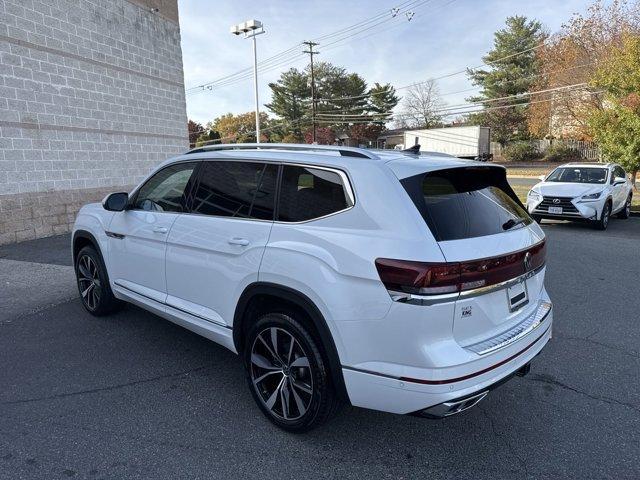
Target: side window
column 308, row 193
column 165, row 191
column 236, row 189
column 619, row 172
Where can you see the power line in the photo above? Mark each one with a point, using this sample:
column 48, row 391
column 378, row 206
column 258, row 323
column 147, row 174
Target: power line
column 241, row 74
column 482, row 102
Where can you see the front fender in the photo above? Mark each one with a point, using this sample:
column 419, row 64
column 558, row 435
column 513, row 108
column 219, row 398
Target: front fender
column 92, row 222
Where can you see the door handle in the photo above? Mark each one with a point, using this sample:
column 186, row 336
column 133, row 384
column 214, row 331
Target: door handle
column 160, row 229
column 239, row 241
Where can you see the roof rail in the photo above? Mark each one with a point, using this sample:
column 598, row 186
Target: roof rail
column 343, row 151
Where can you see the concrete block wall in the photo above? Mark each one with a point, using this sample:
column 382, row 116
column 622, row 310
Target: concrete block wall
column 91, row 99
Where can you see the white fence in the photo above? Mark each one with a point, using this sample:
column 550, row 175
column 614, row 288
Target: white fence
column 585, row 150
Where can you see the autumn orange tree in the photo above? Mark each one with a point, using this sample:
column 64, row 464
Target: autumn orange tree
column 242, row 128
column 571, row 57
column 616, row 127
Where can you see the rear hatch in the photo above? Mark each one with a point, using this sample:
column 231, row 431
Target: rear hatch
column 485, row 232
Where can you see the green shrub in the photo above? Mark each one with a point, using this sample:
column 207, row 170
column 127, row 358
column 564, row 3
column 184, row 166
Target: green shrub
column 520, row 152
column 561, row 154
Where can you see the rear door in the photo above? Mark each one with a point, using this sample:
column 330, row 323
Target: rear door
column 215, row 251
column 138, row 235
column 479, row 222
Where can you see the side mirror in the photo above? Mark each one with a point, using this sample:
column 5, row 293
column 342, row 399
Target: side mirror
column 541, row 178
column 116, row 202
column 619, row 181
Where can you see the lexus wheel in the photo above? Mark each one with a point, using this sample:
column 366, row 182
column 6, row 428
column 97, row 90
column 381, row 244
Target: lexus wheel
column 603, row 223
column 93, row 283
column 287, row 374
column 626, row 211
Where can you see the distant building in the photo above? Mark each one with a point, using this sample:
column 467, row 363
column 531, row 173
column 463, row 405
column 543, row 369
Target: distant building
column 565, row 110
column 91, row 99
column 391, row 138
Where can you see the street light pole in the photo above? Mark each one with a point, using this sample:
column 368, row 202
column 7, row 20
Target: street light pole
column 251, row 29
column 255, row 86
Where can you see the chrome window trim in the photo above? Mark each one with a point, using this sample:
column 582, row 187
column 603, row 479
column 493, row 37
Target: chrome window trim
column 344, row 177
column 346, row 185
column 415, row 299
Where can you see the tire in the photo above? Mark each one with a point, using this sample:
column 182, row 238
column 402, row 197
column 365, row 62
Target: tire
column 603, row 223
column 93, row 283
column 291, row 383
column 626, row 211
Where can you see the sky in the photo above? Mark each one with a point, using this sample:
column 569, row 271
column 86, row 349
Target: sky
column 442, row 37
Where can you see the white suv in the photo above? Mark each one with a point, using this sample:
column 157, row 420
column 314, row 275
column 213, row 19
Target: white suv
column 394, row 281
column 582, row 191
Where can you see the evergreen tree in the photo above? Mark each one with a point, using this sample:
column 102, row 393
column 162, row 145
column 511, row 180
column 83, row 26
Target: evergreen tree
column 382, row 100
column 510, row 73
column 340, row 96
column 291, row 100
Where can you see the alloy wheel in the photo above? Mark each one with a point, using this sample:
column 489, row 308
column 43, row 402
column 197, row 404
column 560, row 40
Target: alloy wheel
column 605, row 215
column 281, row 373
column 89, row 282
column 628, row 206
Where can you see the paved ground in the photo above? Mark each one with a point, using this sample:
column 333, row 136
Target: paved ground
column 134, row 396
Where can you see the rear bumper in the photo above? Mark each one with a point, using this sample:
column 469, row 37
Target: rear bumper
column 459, row 405
column 404, row 395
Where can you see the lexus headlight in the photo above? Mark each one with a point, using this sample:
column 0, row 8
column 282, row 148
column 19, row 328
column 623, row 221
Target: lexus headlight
column 592, row 196
column 534, row 196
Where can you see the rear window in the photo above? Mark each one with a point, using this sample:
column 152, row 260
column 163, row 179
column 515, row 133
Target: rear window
column 309, row 193
column 463, row 203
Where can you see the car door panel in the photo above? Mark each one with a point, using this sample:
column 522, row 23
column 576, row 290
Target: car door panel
column 206, row 271
column 138, row 235
column 137, row 251
column 215, row 251
column 621, row 189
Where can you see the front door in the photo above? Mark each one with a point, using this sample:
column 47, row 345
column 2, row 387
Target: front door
column 214, row 252
column 138, row 235
column 619, row 191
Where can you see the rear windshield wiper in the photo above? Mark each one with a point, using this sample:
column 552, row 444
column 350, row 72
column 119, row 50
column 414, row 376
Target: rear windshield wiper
column 512, row 222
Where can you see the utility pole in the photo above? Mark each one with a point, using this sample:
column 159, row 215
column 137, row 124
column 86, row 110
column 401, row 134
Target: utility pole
column 311, row 53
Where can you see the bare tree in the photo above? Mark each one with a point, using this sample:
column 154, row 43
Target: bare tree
column 421, row 106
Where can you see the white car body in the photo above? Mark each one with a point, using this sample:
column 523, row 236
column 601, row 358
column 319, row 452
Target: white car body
column 392, row 351
column 574, row 200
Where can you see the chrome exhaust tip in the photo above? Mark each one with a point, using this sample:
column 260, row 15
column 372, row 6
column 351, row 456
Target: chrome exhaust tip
column 453, row 407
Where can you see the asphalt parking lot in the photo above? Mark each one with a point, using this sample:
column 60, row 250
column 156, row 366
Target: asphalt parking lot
column 134, row 396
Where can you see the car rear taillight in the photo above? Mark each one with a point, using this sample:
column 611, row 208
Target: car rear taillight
column 418, row 277
column 424, row 278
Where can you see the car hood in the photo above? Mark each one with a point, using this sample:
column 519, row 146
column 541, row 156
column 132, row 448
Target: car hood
column 560, row 189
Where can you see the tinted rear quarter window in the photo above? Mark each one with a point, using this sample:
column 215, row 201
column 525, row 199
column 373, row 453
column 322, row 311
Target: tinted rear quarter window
column 307, row 193
column 236, row 189
column 464, row 203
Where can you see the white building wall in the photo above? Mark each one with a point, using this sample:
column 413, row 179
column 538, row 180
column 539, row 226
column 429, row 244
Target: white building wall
column 91, row 99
